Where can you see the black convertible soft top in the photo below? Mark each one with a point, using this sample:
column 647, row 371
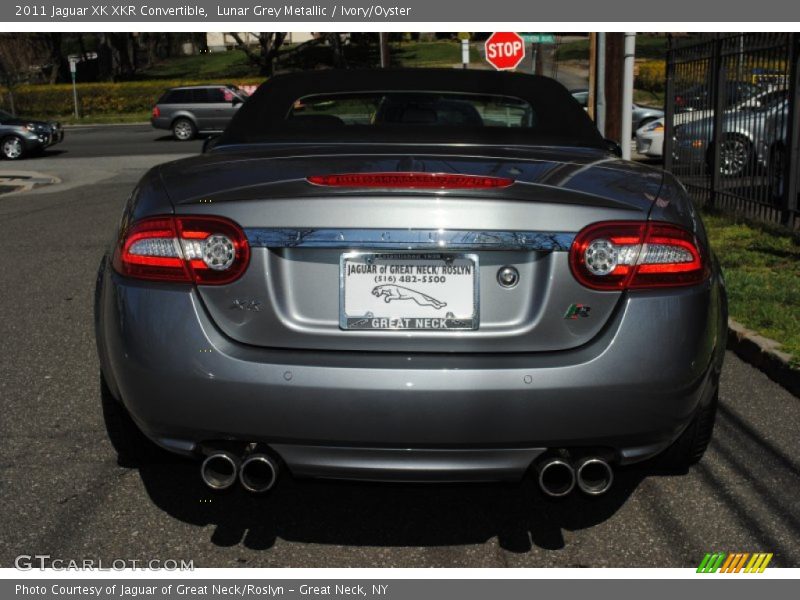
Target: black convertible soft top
column 263, row 117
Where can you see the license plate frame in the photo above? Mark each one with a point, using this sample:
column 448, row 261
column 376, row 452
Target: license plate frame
column 447, row 322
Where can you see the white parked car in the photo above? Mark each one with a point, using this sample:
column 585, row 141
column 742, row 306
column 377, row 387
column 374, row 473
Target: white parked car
column 650, row 139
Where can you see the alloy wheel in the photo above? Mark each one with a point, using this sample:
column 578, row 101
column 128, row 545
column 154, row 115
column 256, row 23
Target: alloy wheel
column 12, row 148
column 733, row 156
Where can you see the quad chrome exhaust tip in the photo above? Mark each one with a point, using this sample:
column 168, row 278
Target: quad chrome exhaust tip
column 219, row 470
column 594, row 476
column 556, row 477
column 258, row 473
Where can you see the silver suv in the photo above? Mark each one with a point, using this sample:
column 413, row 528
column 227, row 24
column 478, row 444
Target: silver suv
column 191, row 110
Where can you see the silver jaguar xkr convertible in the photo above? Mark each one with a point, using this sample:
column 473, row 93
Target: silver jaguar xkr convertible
column 414, row 275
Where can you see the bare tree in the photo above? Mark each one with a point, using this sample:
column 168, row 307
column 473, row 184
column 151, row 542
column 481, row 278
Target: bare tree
column 20, row 61
column 269, row 44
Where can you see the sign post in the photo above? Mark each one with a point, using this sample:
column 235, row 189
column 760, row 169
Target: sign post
column 73, row 68
column 464, row 49
column 504, row 50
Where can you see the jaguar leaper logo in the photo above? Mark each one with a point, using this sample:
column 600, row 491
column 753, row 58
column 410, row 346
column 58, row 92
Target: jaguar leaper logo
column 738, row 562
column 398, row 292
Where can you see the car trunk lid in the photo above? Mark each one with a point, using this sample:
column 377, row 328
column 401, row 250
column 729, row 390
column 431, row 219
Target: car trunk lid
column 305, row 237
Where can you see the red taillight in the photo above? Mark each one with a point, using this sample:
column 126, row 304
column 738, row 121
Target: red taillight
column 199, row 249
column 441, row 181
column 617, row 255
column 156, row 112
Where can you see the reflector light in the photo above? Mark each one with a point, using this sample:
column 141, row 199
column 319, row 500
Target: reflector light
column 618, row 255
column 441, row 181
column 203, row 250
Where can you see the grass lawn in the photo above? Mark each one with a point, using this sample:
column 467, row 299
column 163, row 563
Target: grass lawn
column 202, row 66
column 647, row 46
column 762, row 273
column 646, row 98
column 234, row 64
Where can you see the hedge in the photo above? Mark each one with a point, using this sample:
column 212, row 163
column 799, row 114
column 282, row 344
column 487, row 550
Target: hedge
column 652, row 75
column 95, row 98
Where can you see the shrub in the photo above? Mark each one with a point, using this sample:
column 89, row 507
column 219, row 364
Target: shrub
column 94, row 98
column 651, row 76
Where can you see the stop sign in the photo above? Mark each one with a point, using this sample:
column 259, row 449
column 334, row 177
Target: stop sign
column 504, row 50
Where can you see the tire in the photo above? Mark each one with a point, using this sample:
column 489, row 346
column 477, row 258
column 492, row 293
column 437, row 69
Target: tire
column 132, row 446
column 690, row 447
column 183, row 129
column 12, row 148
column 735, row 154
column 775, row 167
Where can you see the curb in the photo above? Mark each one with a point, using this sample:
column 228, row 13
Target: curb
column 764, row 354
column 94, row 125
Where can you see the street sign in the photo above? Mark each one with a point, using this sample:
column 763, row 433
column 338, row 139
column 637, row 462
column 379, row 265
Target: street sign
column 504, row 50
column 539, row 38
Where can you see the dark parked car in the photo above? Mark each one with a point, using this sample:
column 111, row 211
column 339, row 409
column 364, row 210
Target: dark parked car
column 20, row 137
column 419, row 275
column 192, row 110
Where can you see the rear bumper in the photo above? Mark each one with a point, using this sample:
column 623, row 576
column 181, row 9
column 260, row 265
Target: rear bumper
column 161, row 123
column 409, row 416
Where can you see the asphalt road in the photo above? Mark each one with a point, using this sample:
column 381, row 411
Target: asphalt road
column 62, row 492
column 120, row 140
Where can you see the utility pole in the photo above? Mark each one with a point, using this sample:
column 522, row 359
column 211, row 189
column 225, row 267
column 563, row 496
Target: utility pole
column 384, row 44
column 626, row 132
column 614, row 51
column 539, row 59
column 592, row 75
column 600, row 92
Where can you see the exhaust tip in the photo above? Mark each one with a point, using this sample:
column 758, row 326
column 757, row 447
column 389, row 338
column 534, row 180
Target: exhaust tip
column 556, row 477
column 258, row 473
column 219, row 470
column 595, row 476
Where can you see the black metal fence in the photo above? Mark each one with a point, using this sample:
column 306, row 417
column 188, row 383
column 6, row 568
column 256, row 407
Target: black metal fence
column 732, row 125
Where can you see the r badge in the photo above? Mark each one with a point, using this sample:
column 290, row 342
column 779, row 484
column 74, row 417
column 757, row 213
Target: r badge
column 577, row 310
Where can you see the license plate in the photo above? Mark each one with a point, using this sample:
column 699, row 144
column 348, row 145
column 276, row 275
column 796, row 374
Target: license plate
column 408, row 291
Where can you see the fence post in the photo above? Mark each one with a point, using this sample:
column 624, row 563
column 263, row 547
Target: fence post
column 669, row 105
column 718, row 78
column 789, row 202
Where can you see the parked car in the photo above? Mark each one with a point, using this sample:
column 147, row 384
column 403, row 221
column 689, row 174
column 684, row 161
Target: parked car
column 192, row 110
column 466, row 286
column 641, row 116
column 20, row 137
column 744, row 130
column 697, row 97
column 773, row 149
column 650, row 139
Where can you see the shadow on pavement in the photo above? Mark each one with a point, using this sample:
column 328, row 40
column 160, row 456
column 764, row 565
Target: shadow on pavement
column 381, row 514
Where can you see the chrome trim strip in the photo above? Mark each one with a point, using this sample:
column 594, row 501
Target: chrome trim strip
column 409, row 239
